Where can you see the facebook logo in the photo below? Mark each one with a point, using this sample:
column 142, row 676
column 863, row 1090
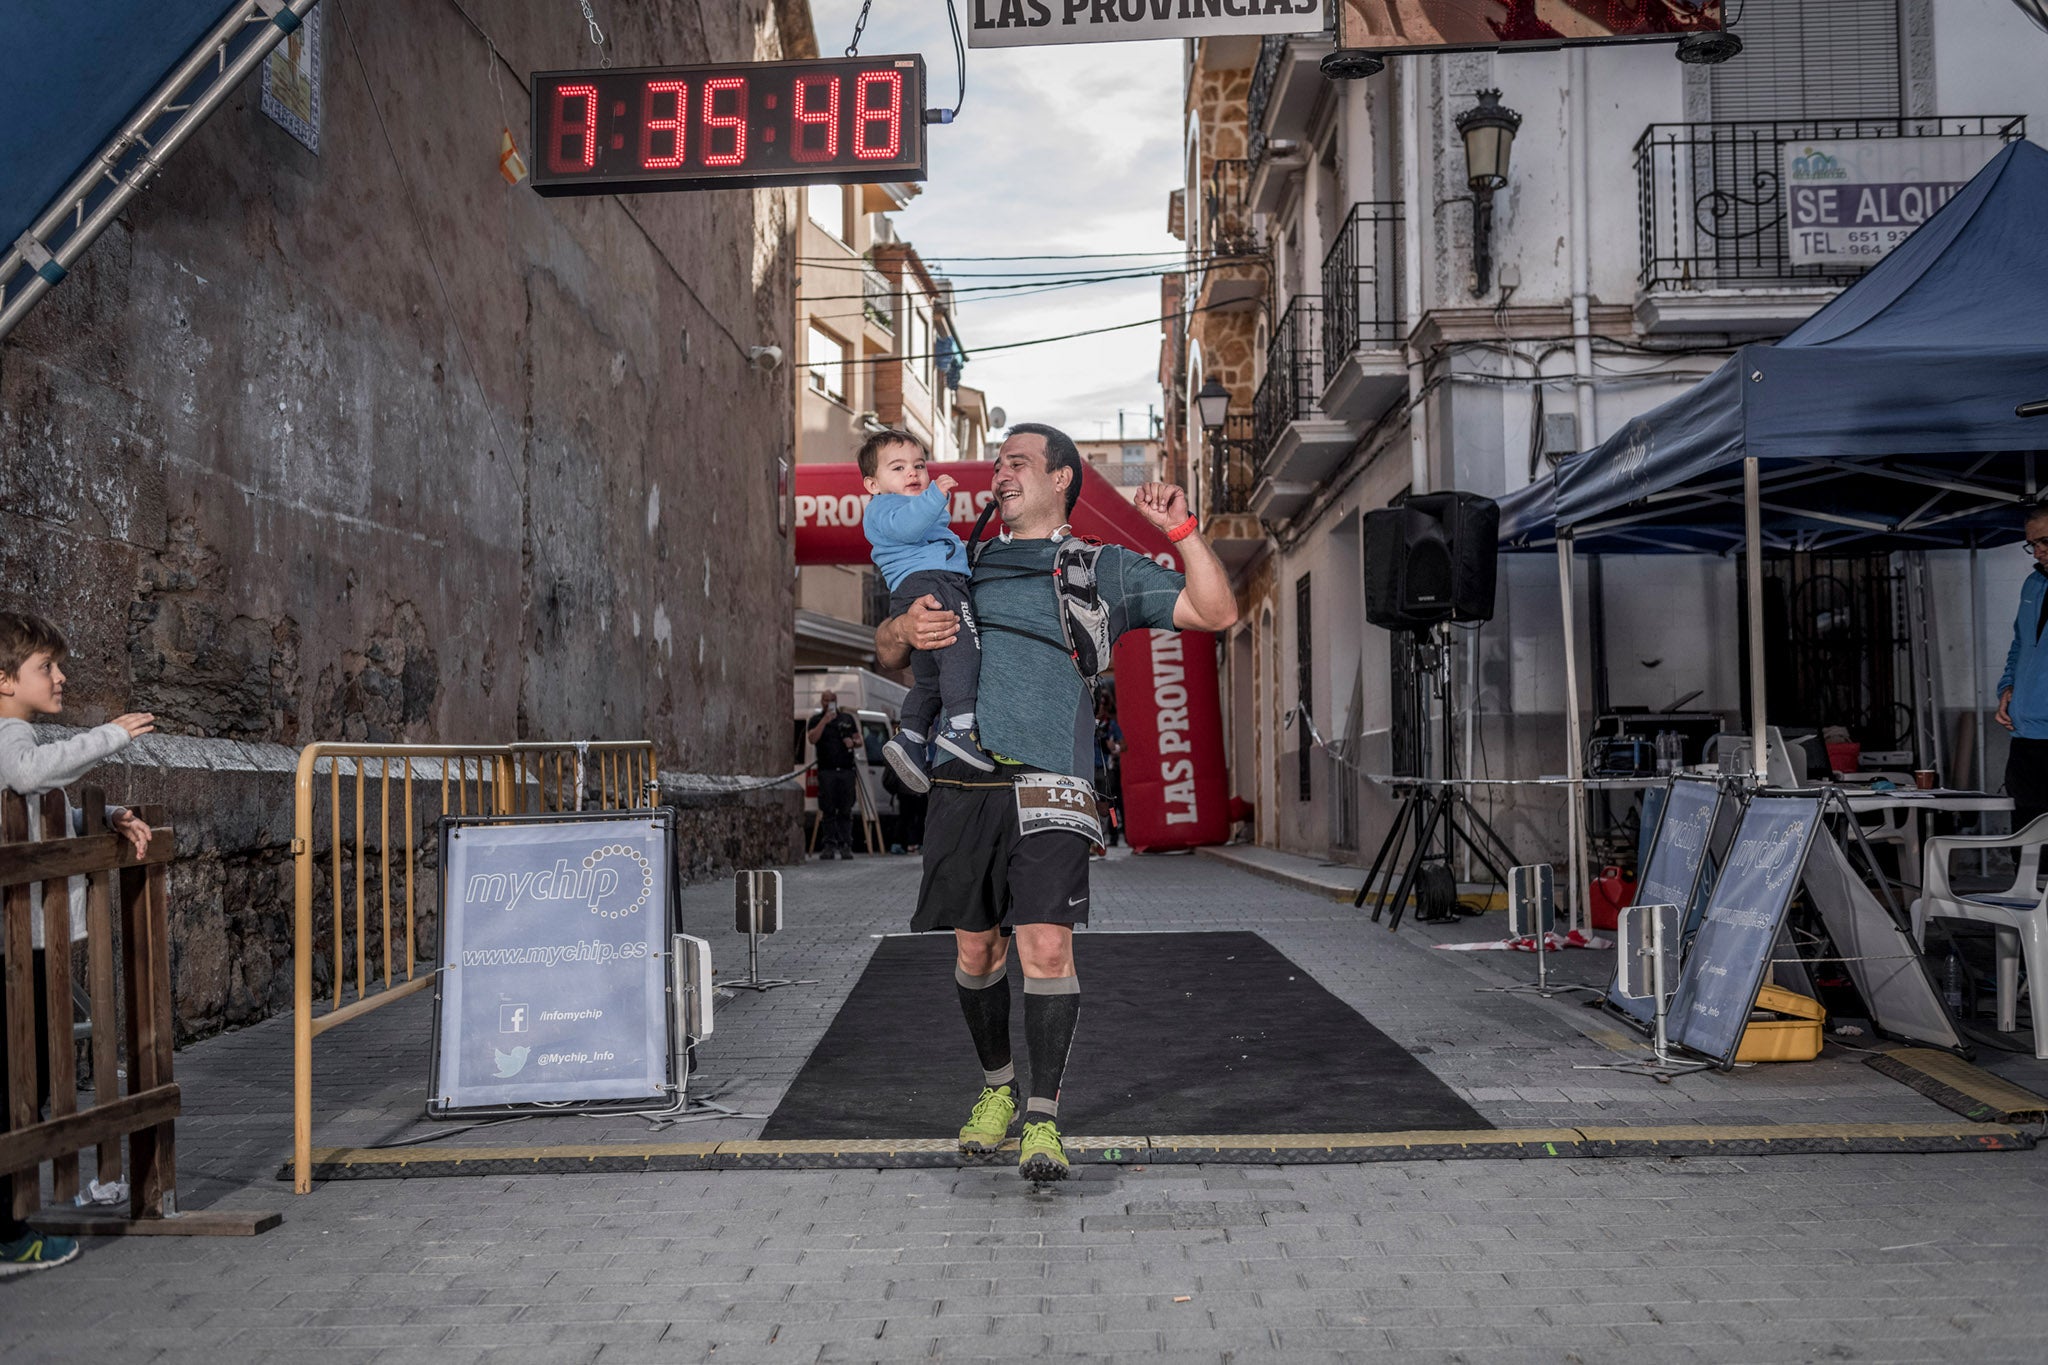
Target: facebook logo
column 511, row 1018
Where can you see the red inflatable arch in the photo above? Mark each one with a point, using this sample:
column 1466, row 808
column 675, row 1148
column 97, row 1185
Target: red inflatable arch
column 1176, row 788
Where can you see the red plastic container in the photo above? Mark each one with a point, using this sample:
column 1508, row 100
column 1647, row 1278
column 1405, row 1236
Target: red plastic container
column 1845, row 758
column 1611, row 892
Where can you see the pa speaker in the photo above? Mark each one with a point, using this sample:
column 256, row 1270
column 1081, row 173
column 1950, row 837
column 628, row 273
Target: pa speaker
column 1429, row 558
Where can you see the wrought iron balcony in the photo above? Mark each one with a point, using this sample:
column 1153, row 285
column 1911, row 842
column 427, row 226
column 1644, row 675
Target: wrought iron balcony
column 1293, row 377
column 1266, row 76
column 1363, row 328
column 1226, row 216
column 1232, row 465
column 878, row 298
column 1362, row 282
column 1713, row 209
column 1271, row 49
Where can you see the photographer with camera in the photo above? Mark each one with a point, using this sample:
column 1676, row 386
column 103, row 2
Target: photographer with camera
column 835, row 737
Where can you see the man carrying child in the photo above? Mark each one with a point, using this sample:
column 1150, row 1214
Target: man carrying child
column 985, row 877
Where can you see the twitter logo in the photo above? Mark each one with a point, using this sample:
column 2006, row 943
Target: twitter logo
column 511, row 1063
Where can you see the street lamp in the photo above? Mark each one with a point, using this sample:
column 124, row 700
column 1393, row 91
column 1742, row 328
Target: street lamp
column 1213, row 403
column 1489, row 133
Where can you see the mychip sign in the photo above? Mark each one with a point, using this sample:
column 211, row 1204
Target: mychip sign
column 553, row 963
column 1849, row 202
column 1027, row 23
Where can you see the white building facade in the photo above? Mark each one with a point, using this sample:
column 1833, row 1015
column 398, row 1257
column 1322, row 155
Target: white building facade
column 1640, row 237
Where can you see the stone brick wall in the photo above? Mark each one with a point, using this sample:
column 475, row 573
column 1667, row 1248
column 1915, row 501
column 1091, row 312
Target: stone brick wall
column 369, row 445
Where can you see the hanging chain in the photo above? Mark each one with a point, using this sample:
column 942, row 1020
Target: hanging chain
column 853, row 48
column 597, row 38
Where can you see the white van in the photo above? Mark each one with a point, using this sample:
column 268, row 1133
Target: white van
column 877, row 704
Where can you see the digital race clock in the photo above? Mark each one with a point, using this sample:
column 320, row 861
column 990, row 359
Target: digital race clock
column 846, row 120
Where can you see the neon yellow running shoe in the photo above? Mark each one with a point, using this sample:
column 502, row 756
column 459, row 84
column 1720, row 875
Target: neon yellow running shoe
column 989, row 1124
column 1041, row 1157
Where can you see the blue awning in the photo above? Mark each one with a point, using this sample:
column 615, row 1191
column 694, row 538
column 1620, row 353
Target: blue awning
column 74, row 71
column 1885, row 420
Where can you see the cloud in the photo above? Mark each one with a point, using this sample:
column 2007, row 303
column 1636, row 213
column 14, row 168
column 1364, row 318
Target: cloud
column 1057, row 150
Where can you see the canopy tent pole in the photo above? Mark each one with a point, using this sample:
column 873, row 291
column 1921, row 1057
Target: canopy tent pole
column 1981, row 777
column 1574, row 749
column 1753, row 531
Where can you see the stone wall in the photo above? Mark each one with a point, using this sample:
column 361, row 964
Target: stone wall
column 369, row 445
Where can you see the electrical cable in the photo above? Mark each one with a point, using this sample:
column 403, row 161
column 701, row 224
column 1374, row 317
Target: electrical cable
column 1163, row 268
column 959, row 64
column 1044, row 341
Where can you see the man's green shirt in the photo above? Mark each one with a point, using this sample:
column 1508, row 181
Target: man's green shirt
column 1033, row 707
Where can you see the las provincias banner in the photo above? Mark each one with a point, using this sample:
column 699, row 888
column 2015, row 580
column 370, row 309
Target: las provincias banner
column 1176, row 787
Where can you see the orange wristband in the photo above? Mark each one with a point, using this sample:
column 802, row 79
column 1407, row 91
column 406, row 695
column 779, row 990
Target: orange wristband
column 1184, row 530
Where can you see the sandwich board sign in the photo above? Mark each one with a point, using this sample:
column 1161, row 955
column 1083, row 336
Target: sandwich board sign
column 554, row 962
column 1718, row 986
column 1672, row 873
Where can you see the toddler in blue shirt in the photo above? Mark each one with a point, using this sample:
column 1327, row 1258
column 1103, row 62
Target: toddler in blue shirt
column 918, row 554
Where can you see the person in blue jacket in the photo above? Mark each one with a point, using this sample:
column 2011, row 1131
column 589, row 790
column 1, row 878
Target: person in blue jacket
column 908, row 524
column 2023, row 687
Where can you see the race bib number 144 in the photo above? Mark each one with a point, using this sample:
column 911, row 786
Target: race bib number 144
column 1050, row 801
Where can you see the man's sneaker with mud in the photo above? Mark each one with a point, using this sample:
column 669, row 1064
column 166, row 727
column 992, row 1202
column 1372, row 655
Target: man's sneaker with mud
column 1040, row 1157
column 989, row 1124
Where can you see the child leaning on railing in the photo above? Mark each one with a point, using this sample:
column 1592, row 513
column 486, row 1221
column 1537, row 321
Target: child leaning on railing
column 32, row 687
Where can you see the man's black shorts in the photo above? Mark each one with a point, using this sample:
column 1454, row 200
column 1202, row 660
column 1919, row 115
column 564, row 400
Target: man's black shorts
column 980, row 874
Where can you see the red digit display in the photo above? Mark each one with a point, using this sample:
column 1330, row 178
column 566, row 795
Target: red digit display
column 716, row 123
column 678, row 98
column 584, row 130
column 816, row 117
column 837, row 120
column 884, row 116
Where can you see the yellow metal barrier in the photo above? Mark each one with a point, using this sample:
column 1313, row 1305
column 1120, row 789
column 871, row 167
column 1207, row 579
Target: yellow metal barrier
column 472, row 779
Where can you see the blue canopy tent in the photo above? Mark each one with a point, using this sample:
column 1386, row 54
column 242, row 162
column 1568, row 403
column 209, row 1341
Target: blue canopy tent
column 95, row 98
column 1887, row 420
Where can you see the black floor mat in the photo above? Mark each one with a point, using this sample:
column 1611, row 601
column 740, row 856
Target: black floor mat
column 1180, row 1033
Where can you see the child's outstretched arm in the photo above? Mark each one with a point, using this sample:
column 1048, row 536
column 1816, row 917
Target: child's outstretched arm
column 28, row 767
column 896, row 519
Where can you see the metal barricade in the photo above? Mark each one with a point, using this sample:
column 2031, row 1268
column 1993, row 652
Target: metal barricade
column 384, row 905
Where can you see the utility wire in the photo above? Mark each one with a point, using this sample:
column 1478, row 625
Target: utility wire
column 1046, row 341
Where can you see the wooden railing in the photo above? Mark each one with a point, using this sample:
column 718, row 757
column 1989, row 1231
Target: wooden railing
column 128, row 996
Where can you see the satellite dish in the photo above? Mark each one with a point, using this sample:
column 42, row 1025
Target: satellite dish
column 998, row 418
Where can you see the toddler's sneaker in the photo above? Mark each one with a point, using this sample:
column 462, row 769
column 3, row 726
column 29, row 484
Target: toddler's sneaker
column 962, row 745
column 908, row 766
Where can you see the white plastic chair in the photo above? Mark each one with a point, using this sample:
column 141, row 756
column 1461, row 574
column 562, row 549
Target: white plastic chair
column 2018, row 916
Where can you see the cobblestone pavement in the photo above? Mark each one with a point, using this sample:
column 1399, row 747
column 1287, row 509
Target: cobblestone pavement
column 1751, row 1259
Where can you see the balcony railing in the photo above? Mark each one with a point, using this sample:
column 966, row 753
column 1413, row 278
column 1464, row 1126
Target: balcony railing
column 1233, row 461
column 1362, row 283
column 1226, row 212
column 1713, row 210
column 1294, row 373
column 1272, row 50
column 878, row 298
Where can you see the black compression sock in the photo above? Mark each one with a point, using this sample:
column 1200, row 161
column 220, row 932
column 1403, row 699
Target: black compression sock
column 985, row 1000
column 1052, row 1006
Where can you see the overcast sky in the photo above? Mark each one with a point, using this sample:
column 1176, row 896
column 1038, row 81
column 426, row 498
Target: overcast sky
column 1058, row 149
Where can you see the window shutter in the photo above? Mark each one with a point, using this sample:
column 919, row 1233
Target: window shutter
column 1811, row 59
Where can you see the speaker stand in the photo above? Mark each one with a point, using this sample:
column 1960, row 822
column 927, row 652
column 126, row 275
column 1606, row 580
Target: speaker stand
column 1433, row 809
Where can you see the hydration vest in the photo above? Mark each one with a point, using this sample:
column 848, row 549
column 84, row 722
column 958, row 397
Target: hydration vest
column 1083, row 615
